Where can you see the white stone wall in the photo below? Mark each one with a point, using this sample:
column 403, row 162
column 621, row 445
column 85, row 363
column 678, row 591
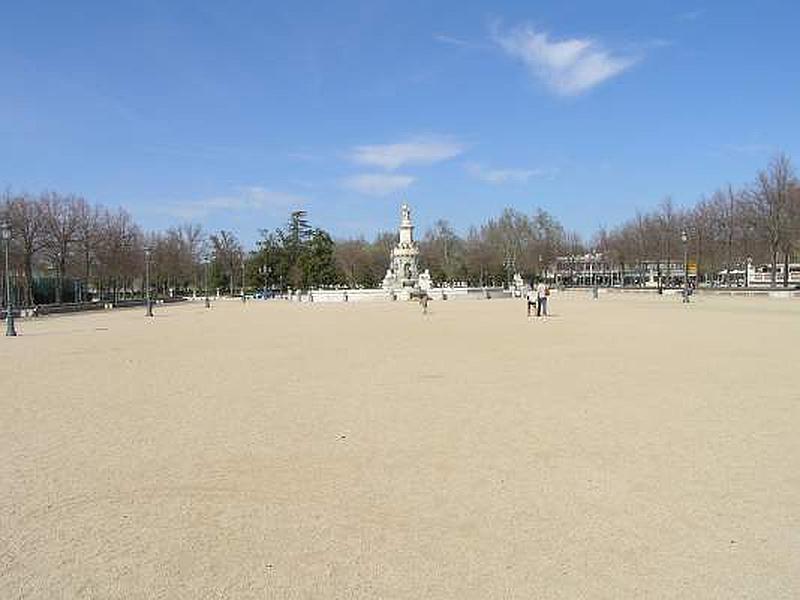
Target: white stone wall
column 381, row 295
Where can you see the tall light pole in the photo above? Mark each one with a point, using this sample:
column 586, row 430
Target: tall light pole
column 510, row 263
column 205, row 284
column 266, row 271
column 147, row 251
column 244, row 298
column 5, row 231
column 685, row 240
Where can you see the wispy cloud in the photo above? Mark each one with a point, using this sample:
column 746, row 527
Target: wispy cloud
column 457, row 42
column 691, row 15
column 501, row 176
column 425, row 150
column 244, row 198
column 377, row 184
column 568, row 67
column 452, row 41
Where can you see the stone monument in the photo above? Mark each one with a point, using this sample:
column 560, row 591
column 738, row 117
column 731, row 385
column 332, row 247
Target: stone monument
column 403, row 271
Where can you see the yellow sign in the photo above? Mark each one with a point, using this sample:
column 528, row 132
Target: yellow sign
column 692, row 269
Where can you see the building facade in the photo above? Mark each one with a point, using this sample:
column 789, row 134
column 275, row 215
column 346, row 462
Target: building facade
column 597, row 269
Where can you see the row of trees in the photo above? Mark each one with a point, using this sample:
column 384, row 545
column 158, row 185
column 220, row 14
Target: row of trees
column 65, row 249
column 759, row 221
column 488, row 254
column 79, row 248
column 66, row 237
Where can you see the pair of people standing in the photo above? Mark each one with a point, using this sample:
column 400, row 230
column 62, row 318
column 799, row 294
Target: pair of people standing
column 538, row 297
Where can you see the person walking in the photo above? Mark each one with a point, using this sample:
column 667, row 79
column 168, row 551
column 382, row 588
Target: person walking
column 531, row 299
column 542, row 292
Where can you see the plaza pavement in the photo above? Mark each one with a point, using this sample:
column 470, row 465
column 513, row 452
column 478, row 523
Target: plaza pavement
column 630, row 447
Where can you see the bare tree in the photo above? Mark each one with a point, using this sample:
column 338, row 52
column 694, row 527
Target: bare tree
column 441, row 251
column 725, row 205
column 228, row 254
column 770, row 200
column 28, row 229
column 61, row 223
column 88, row 236
column 667, row 220
column 193, row 240
column 353, row 260
column 120, row 254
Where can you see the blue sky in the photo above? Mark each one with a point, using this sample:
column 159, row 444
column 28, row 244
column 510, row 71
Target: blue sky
column 232, row 113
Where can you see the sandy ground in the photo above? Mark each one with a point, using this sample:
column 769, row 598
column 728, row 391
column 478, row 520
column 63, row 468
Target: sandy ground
column 629, row 447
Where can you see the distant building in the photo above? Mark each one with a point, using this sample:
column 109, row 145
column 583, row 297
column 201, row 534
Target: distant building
column 761, row 275
column 597, row 269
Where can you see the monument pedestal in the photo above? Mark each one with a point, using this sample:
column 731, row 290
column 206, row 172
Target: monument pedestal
column 403, row 272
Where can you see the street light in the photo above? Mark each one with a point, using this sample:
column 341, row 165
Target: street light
column 147, row 251
column 205, row 285
column 266, row 272
column 510, row 264
column 685, row 240
column 5, row 231
column 244, row 298
column 59, row 278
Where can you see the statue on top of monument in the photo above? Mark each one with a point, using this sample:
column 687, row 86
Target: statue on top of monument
column 405, row 213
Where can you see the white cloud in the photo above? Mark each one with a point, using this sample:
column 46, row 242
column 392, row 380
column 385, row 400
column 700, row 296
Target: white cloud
column 501, row 176
column 245, row 198
column 377, row 184
column 416, row 151
column 568, row 67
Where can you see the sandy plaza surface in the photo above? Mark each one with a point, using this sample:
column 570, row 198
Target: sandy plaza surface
column 629, row 447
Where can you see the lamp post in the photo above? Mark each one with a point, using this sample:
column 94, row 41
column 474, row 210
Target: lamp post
column 147, row 251
column 510, row 264
column 244, row 298
column 685, row 240
column 266, row 272
column 53, row 277
column 747, row 266
column 5, row 231
column 205, row 284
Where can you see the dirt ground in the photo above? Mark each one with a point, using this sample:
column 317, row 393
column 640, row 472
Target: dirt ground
column 629, row 447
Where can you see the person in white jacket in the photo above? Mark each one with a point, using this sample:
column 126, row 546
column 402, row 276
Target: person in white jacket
column 531, row 299
column 542, row 292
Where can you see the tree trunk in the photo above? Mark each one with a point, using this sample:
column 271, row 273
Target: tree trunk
column 730, row 260
column 29, row 280
column 699, row 257
column 773, row 277
column 786, row 269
